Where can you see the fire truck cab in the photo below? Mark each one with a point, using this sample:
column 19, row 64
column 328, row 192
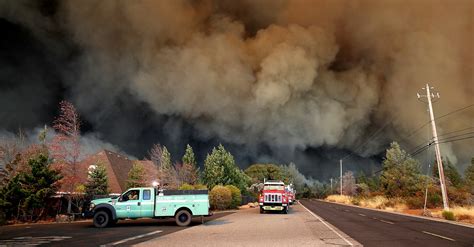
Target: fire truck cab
column 273, row 197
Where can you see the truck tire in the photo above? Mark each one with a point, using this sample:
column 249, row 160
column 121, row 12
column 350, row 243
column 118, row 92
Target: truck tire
column 101, row 219
column 285, row 210
column 183, row 218
column 261, row 210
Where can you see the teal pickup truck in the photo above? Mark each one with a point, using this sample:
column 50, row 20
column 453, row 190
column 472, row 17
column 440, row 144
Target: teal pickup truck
column 150, row 202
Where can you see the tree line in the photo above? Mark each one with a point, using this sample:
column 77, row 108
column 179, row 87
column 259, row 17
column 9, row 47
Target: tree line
column 402, row 178
column 35, row 173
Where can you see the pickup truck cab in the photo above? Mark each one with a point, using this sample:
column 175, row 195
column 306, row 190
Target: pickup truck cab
column 150, row 202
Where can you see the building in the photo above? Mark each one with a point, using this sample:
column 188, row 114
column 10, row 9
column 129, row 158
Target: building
column 117, row 166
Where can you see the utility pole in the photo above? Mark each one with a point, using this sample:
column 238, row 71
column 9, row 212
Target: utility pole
column 340, row 165
column 429, row 95
column 331, row 185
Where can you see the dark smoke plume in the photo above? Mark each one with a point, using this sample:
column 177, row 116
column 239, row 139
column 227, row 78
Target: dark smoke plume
column 277, row 81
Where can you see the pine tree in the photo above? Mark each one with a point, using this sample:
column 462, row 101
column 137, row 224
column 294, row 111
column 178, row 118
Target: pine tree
column 187, row 171
column 220, row 169
column 165, row 159
column 401, row 174
column 188, row 157
column 38, row 185
column 469, row 176
column 97, row 183
column 136, row 176
column 450, row 172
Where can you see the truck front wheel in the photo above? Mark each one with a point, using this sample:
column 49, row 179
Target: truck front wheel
column 183, row 218
column 261, row 210
column 101, row 219
column 285, row 210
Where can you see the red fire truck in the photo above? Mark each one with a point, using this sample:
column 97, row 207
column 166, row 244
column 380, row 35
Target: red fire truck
column 291, row 194
column 273, row 197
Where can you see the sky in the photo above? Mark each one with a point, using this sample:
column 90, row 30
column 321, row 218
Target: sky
column 277, row 81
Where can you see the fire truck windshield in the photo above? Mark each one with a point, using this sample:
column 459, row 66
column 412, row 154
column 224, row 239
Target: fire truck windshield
column 273, row 187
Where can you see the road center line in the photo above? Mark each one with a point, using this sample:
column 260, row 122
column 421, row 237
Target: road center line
column 439, row 236
column 132, row 238
column 319, row 218
column 388, row 222
column 362, row 215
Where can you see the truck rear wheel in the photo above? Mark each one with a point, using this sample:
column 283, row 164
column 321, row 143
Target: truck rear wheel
column 101, row 219
column 261, row 210
column 183, row 218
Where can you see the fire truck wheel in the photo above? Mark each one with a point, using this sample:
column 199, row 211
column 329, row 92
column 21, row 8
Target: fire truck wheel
column 183, row 217
column 285, row 210
column 261, row 210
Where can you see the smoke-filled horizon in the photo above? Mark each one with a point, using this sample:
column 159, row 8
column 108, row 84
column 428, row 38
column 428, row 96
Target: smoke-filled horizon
column 275, row 81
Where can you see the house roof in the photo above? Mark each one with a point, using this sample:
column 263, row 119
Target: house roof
column 117, row 166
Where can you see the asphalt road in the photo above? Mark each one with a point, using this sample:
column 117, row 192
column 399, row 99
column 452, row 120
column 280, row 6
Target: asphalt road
column 374, row 228
column 247, row 227
column 127, row 232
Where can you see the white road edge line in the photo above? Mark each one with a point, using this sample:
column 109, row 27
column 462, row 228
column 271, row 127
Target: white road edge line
column 132, row 238
column 388, row 222
column 362, row 215
column 439, row 236
column 319, row 218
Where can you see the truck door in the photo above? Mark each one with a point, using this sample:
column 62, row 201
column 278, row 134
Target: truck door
column 129, row 204
column 147, row 203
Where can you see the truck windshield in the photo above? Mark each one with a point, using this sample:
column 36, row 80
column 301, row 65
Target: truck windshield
column 273, row 187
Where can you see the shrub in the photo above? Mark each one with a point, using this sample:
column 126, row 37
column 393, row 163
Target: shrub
column 415, row 202
column 434, row 200
column 186, row 186
column 220, row 197
column 458, row 196
column 356, row 200
column 200, row 187
column 448, row 215
column 236, row 196
column 362, row 189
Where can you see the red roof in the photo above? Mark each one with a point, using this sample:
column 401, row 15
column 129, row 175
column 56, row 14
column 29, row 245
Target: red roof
column 117, row 166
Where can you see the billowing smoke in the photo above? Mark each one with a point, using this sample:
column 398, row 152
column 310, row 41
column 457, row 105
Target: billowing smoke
column 303, row 81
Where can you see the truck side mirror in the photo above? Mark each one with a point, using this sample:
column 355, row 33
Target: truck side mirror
column 123, row 198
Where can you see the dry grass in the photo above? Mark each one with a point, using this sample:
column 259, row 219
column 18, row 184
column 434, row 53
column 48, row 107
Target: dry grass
column 378, row 202
column 340, row 199
column 398, row 207
column 463, row 213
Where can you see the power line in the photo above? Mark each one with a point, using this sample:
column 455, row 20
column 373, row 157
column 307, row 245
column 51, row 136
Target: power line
column 459, row 139
column 370, row 138
column 456, row 136
column 455, row 111
column 442, row 116
column 452, row 132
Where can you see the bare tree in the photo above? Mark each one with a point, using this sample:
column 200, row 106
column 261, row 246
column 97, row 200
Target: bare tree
column 166, row 173
column 186, row 173
column 348, row 183
column 155, row 154
column 65, row 147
